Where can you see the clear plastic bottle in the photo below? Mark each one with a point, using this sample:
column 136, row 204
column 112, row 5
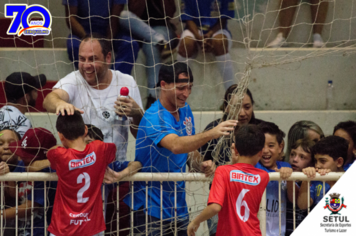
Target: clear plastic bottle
column 330, row 96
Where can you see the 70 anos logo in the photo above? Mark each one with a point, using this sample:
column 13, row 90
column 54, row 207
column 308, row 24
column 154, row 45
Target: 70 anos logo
column 21, row 14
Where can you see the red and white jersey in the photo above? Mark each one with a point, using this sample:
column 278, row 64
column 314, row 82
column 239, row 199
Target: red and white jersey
column 78, row 207
column 238, row 189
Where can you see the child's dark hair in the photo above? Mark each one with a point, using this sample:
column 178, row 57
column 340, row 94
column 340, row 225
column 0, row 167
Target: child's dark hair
column 249, row 140
column 349, row 127
column 71, row 126
column 94, row 132
column 332, row 146
column 273, row 129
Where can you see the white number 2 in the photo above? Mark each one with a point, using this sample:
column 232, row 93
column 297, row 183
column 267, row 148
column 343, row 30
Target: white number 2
column 81, row 191
column 240, row 203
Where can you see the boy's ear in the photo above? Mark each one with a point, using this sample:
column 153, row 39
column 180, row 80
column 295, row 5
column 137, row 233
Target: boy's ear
column 61, row 136
column 86, row 131
column 281, row 147
column 234, row 148
column 339, row 162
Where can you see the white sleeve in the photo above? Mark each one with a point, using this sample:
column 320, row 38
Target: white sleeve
column 68, row 84
column 136, row 94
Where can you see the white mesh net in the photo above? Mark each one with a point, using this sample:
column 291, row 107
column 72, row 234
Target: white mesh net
column 269, row 39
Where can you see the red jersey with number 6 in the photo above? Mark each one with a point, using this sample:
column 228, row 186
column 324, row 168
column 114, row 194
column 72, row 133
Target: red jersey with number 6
column 238, row 189
column 78, row 207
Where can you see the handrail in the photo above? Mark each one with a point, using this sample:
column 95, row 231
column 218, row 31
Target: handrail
column 40, row 176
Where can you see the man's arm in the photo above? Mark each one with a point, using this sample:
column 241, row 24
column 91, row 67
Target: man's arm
column 114, row 25
column 38, row 165
column 218, row 26
column 24, row 210
column 72, row 22
column 112, row 176
column 57, row 102
column 187, row 144
column 206, row 214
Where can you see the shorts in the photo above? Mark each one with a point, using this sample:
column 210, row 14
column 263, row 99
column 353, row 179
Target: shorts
column 188, row 33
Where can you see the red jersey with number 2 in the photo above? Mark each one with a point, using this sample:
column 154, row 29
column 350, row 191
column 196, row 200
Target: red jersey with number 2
column 238, row 189
column 78, row 206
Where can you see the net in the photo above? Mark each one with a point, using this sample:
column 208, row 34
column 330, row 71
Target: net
column 270, row 40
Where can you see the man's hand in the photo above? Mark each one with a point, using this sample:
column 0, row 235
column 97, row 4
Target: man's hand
column 127, row 106
column 4, row 168
column 111, row 176
column 64, row 106
column 208, row 168
column 224, row 128
column 285, row 172
column 192, row 228
column 207, row 45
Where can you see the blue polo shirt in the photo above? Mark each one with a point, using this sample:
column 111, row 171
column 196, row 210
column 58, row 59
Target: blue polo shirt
column 154, row 126
column 317, row 192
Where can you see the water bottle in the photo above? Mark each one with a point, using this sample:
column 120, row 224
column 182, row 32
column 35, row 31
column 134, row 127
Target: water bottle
column 330, row 96
column 124, row 92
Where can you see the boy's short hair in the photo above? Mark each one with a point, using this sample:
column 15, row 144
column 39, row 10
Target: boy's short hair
column 94, row 132
column 273, row 129
column 249, row 140
column 71, row 126
column 305, row 144
column 332, row 146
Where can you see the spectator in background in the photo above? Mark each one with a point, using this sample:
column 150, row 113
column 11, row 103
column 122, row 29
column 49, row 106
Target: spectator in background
column 303, row 129
column 347, row 130
column 33, row 146
column 149, row 21
column 21, row 94
column 300, row 158
column 166, row 135
column 206, row 28
column 319, row 9
column 246, row 116
column 91, row 16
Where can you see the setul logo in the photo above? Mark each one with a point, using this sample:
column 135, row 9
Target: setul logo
column 335, row 204
column 88, row 160
column 246, row 178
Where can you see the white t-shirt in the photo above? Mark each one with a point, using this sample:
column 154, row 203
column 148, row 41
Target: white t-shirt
column 11, row 117
column 98, row 105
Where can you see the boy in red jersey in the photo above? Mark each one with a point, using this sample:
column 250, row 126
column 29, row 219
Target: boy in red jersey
column 237, row 189
column 80, row 167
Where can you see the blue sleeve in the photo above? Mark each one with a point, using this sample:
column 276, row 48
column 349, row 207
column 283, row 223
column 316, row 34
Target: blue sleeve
column 188, row 9
column 227, row 9
column 119, row 166
column 157, row 126
column 283, row 164
column 73, row 3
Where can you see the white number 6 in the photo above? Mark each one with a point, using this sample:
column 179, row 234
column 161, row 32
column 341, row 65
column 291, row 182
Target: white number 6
column 81, row 191
column 240, row 203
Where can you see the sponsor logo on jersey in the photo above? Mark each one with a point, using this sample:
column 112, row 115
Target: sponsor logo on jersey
column 246, row 178
column 188, row 125
column 79, row 221
column 88, row 160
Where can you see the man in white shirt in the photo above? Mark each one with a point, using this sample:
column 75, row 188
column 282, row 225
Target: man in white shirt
column 21, row 93
column 94, row 90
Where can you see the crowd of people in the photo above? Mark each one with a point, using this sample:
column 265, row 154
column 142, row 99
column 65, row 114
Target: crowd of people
column 94, row 122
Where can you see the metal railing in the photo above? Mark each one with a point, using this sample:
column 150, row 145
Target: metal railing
column 159, row 177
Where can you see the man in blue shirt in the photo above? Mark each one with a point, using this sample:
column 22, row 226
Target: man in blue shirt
column 92, row 16
column 165, row 137
column 206, row 27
